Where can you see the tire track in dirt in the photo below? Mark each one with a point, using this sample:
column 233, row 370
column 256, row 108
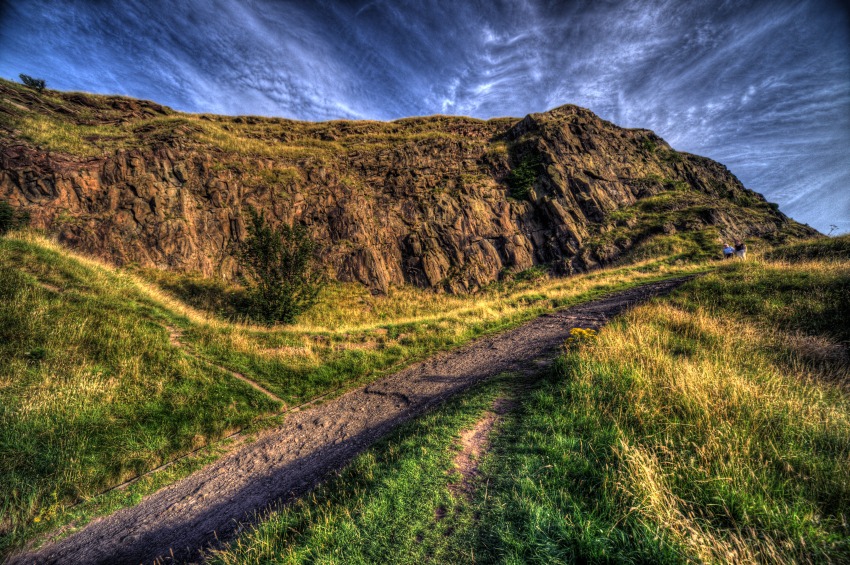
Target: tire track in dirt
column 178, row 522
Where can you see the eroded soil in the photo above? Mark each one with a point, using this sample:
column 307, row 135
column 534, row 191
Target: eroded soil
column 474, row 443
column 208, row 507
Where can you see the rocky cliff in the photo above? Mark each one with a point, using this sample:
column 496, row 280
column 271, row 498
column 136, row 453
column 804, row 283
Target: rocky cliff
column 447, row 202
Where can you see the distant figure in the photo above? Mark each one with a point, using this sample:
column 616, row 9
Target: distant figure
column 740, row 249
column 728, row 251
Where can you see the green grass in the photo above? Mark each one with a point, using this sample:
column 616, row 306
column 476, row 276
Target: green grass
column 678, row 223
column 352, row 337
column 92, row 125
column 826, row 248
column 84, row 348
column 393, row 503
column 92, row 392
column 685, row 432
column 709, row 426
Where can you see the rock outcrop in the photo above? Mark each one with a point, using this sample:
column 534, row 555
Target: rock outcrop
column 446, row 202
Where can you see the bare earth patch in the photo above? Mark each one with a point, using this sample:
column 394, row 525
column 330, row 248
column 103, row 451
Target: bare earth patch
column 474, row 443
column 178, row 522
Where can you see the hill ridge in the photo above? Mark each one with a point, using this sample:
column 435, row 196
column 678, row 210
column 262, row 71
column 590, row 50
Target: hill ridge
column 448, row 202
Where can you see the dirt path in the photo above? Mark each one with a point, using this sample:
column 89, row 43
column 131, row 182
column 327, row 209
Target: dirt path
column 474, row 443
column 178, row 521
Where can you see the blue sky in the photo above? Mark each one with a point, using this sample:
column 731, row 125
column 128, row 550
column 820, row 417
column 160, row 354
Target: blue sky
column 761, row 86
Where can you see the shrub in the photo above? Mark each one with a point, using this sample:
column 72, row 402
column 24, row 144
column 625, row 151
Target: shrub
column 36, row 84
column 521, row 178
column 11, row 219
column 648, row 145
column 278, row 270
column 671, row 156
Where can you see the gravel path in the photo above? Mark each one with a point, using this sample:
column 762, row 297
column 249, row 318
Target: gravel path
column 179, row 521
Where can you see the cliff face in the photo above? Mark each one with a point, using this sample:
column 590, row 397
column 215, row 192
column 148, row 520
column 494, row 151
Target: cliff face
column 442, row 201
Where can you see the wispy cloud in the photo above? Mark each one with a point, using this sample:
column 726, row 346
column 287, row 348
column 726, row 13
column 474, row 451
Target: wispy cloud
column 763, row 87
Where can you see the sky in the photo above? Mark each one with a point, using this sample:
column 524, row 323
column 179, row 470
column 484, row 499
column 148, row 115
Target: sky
column 762, row 86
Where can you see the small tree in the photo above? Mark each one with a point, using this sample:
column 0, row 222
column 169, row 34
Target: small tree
column 11, row 219
column 278, row 270
column 36, row 84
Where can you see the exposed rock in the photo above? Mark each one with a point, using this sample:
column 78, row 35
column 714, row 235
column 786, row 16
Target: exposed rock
column 423, row 201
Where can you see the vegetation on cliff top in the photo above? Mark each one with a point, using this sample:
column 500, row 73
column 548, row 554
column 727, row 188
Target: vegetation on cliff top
column 85, row 124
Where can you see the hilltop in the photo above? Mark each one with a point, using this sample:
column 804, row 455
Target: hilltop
column 446, row 202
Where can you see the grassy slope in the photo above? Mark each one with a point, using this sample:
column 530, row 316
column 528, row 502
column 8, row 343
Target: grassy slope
column 713, row 425
column 93, row 393
column 85, row 124
column 351, row 335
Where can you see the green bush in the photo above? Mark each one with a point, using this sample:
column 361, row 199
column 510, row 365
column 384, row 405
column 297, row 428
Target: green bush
column 278, row 270
column 648, row 145
column 671, row 156
column 11, row 219
column 522, row 177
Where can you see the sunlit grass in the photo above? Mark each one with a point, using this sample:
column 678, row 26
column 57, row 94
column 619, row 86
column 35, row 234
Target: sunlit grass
column 90, row 125
column 92, row 392
column 351, row 336
column 731, row 447
column 688, row 430
column 86, row 350
column 66, row 137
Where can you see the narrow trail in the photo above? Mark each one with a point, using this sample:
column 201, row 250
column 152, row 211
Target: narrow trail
column 178, row 522
column 175, row 336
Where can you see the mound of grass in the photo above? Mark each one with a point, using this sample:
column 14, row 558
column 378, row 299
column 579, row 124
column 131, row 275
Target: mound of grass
column 823, row 248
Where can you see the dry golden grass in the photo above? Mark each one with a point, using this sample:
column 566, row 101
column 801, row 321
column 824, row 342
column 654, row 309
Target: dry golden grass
column 746, row 412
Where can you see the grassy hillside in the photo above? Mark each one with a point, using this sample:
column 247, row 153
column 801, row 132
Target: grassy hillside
column 89, row 125
column 92, row 391
column 709, row 426
column 95, row 390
